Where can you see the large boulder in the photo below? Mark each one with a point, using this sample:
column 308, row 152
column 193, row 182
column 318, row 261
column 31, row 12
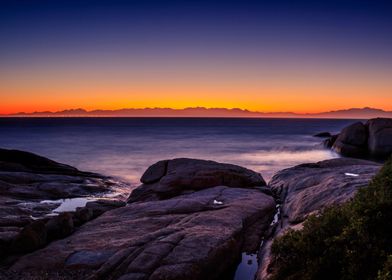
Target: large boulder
column 169, row 178
column 371, row 140
column 380, row 137
column 352, row 141
column 308, row 188
column 214, row 213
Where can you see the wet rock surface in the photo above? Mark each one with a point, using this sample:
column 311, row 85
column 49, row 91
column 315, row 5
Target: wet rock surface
column 308, row 188
column 194, row 224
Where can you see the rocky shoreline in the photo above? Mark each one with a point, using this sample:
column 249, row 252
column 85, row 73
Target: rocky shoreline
column 372, row 139
column 189, row 218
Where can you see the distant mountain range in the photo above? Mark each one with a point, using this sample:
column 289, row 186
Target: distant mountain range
column 353, row 113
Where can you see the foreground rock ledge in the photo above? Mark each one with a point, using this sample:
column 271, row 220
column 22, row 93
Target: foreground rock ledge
column 26, row 180
column 308, row 188
column 194, row 225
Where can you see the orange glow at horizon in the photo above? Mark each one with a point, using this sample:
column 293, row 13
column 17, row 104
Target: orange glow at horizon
column 258, row 86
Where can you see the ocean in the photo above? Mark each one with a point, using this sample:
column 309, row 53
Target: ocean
column 125, row 147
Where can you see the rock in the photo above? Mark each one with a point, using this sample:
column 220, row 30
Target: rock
column 184, row 235
column 184, row 175
column 99, row 207
column 32, row 237
column 59, row 226
column 328, row 143
column 373, row 140
column 26, row 180
column 21, row 161
column 352, row 141
column 7, row 237
column 155, row 172
column 380, row 137
column 82, row 215
column 308, row 188
column 322, row 135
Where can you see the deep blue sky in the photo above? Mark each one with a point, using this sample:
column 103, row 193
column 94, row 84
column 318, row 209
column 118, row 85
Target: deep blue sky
column 33, row 27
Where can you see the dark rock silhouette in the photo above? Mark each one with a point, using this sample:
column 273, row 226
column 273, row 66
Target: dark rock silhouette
column 27, row 179
column 371, row 140
column 323, row 135
column 380, row 137
column 352, row 141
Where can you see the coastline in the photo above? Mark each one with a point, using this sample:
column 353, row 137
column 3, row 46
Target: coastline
column 175, row 213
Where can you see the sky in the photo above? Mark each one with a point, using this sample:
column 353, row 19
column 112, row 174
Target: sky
column 270, row 56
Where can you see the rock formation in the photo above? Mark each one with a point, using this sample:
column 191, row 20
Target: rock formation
column 191, row 219
column 308, row 188
column 370, row 140
column 26, row 182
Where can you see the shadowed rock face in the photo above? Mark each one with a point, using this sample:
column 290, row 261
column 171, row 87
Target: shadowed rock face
column 25, row 180
column 198, row 232
column 169, row 178
column 352, row 141
column 308, row 188
column 21, row 161
column 380, row 137
column 373, row 139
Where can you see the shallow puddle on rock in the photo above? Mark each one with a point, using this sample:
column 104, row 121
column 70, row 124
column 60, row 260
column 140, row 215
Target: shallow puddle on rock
column 247, row 269
column 69, row 204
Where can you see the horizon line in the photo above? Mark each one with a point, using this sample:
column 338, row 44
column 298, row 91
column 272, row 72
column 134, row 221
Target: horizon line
column 203, row 112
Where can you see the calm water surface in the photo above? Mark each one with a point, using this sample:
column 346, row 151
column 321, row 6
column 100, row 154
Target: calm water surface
column 125, row 147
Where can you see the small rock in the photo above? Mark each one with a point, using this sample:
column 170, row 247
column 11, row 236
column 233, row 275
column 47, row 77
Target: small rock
column 322, row 135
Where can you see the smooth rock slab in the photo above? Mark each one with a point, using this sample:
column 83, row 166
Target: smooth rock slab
column 185, row 237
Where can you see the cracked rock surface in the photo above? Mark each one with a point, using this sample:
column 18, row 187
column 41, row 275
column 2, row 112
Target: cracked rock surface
column 174, row 230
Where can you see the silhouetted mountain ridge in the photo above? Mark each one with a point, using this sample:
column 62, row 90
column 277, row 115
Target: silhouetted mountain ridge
column 355, row 113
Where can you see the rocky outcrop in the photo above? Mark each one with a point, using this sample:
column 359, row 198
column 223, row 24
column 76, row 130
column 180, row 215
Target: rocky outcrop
column 191, row 219
column 308, row 188
column 380, row 137
column 370, row 140
column 324, row 134
column 170, row 178
column 352, row 141
column 26, row 180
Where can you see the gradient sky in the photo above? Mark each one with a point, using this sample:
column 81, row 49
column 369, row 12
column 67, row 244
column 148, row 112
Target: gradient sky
column 301, row 56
